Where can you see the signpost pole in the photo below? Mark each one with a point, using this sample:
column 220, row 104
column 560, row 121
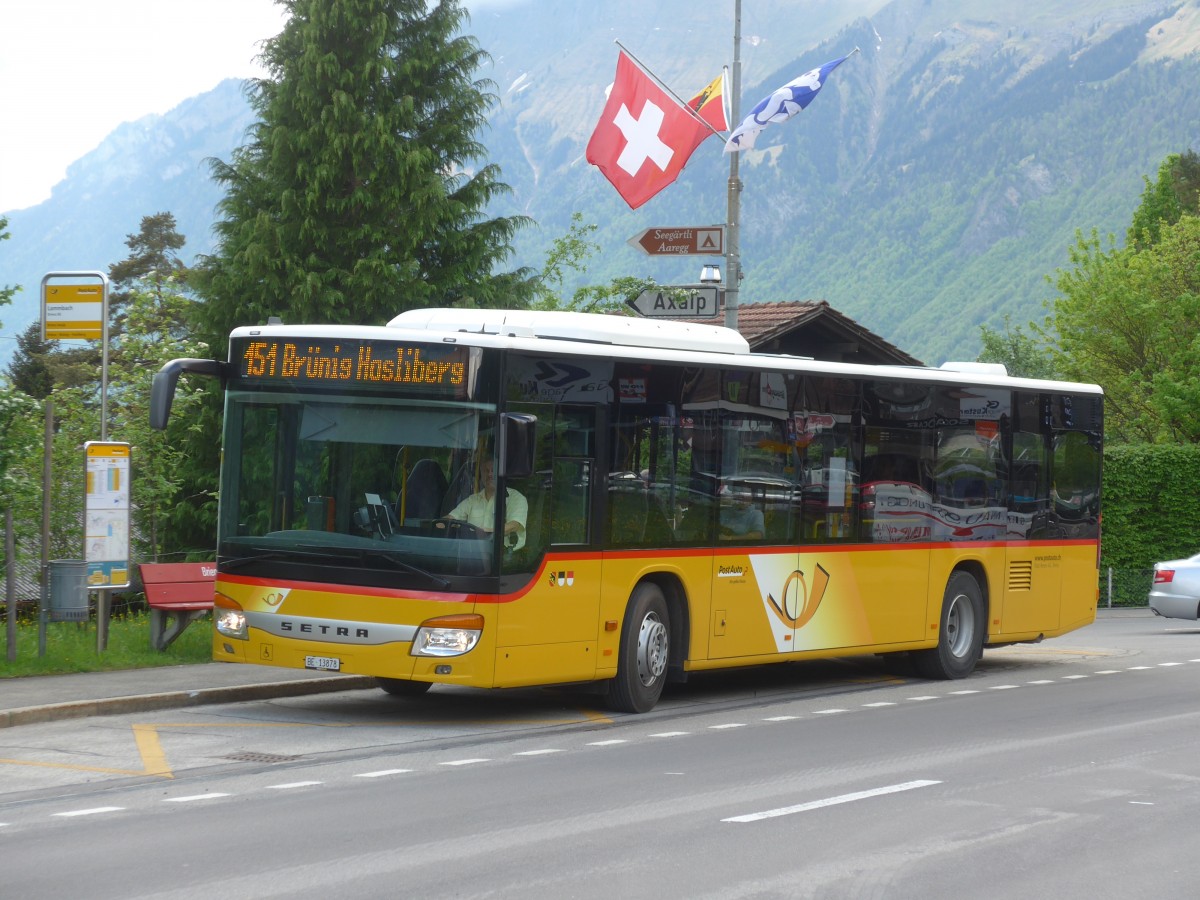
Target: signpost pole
column 733, row 272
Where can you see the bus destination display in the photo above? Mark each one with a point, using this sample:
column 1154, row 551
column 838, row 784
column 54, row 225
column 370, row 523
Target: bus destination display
column 351, row 362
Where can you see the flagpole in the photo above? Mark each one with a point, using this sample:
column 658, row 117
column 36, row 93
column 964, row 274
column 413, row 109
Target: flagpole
column 733, row 272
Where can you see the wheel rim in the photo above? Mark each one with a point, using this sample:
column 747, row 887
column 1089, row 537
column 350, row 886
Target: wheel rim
column 652, row 649
column 960, row 626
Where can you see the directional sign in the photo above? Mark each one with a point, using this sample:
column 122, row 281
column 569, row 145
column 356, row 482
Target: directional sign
column 703, row 241
column 689, row 301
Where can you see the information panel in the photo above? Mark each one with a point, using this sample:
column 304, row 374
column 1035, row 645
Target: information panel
column 431, row 369
column 106, row 529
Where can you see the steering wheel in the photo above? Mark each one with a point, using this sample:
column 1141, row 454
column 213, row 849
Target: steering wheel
column 457, row 528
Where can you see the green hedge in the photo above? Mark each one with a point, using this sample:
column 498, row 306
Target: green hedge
column 1151, row 513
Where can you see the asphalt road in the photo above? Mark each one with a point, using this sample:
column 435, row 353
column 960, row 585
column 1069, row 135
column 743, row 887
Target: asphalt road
column 1065, row 769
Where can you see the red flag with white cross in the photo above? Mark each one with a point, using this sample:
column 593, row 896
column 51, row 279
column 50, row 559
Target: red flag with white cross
column 644, row 137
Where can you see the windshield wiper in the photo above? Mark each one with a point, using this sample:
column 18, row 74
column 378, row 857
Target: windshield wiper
column 393, row 557
column 338, row 556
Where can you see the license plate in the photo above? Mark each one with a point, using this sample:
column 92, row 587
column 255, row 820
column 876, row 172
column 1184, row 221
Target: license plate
column 325, row 663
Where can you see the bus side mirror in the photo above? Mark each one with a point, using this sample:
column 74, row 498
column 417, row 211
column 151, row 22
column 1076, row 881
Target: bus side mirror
column 162, row 389
column 518, row 447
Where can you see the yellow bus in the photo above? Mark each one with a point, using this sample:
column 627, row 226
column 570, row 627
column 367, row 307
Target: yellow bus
column 509, row 498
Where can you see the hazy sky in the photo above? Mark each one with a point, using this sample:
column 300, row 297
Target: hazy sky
column 71, row 71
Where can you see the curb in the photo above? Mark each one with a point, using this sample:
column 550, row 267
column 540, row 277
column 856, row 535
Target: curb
column 111, row 706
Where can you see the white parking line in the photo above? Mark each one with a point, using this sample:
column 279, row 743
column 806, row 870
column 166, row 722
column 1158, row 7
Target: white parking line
column 831, row 801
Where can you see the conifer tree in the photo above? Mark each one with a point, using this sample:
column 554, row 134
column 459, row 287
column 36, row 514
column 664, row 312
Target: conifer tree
column 359, row 193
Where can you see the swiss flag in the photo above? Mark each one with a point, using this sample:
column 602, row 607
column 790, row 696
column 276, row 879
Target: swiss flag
column 644, row 137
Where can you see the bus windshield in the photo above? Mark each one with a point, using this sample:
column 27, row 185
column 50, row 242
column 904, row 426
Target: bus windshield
column 357, row 488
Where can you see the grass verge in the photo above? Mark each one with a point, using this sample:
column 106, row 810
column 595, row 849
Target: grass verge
column 71, row 647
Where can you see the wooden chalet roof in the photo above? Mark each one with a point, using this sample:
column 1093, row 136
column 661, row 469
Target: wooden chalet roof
column 812, row 328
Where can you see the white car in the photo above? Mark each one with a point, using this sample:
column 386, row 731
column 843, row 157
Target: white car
column 1176, row 590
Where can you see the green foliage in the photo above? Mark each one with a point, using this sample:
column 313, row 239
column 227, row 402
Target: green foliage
column 20, row 439
column 1150, row 512
column 153, row 261
column 1176, row 192
column 6, row 291
column 1129, row 320
column 1024, row 355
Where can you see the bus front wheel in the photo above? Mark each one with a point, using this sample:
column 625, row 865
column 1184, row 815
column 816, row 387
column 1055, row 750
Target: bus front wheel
column 960, row 634
column 644, row 652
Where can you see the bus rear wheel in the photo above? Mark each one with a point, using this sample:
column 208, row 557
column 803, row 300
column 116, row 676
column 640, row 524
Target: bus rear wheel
column 960, row 633
column 644, row 652
column 400, row 687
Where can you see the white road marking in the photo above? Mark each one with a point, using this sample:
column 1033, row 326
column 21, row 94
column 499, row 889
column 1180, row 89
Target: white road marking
column 194, row 798
column 827, row 712
column 1003, row 687
column 879, row 704
column 89, row 812
column 832, row 801
column 607, row 743
column 381, row 773
column 548, row 750
column 924, row 697
column 728, row 725
column 780, row 718
column 1073, row 677
column 463, row 762
column 963, row 693
column 294, row 784
column 669, row 734
column 1109, row 672
column 1042, row 681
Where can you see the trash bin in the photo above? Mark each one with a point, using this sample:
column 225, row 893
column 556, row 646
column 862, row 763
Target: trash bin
column 68, row 591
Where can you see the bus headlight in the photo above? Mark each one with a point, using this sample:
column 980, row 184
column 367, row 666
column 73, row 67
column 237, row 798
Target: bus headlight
column 447, row 635
column 229, row 619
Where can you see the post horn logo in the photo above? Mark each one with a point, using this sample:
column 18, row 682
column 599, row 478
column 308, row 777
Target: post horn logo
column 800, row 600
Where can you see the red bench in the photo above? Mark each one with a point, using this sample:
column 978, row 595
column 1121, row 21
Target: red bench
column 178, row 594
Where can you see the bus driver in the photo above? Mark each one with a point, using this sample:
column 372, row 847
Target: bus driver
column 479, row 509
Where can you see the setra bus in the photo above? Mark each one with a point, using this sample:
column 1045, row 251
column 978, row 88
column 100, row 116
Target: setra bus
column 510, row 498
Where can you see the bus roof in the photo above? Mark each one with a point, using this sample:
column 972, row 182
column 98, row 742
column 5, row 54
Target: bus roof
column 649, row 340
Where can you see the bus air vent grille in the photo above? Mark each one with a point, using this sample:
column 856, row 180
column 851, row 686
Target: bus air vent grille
column 1020, row 575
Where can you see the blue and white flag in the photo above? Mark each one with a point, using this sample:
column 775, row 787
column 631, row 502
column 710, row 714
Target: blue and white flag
column 781, row 105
